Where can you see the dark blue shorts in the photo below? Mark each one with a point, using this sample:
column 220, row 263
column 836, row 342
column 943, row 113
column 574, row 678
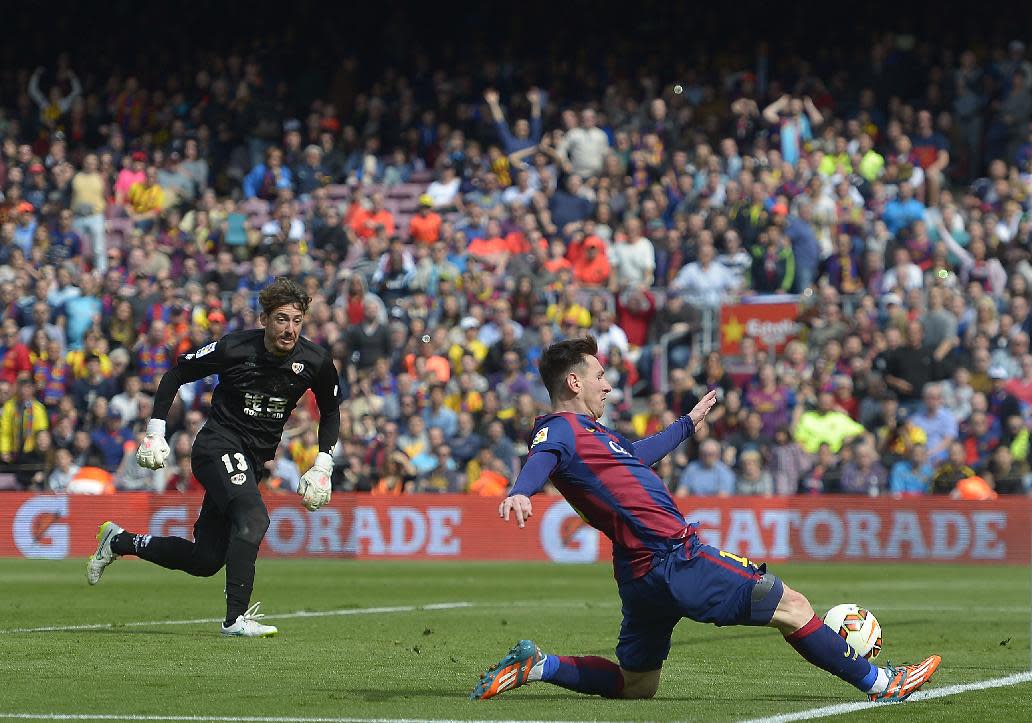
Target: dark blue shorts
column 692, row 581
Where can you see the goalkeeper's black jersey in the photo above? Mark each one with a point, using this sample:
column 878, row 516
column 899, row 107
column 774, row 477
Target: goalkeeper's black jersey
column 257, row 390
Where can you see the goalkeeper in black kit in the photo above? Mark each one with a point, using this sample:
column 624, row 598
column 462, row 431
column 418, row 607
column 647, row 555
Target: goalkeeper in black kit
column 262, row 373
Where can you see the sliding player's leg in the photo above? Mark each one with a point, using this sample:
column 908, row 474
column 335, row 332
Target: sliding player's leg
column 590, row 674
column 726, row 589
column 648, row 621
column 823, row 647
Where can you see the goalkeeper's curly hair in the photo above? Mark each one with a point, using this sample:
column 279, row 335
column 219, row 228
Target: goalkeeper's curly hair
column 283, row 292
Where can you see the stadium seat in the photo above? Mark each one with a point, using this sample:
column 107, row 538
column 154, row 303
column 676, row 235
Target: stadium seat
column 338, row 192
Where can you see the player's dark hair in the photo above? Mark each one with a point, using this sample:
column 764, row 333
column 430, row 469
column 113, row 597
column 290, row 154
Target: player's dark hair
column 283, row 292
column 562, row 356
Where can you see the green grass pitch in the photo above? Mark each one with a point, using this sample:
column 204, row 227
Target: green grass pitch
column 423, row 663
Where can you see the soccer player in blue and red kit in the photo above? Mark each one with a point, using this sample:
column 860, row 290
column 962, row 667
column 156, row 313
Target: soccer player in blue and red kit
column 663, row 572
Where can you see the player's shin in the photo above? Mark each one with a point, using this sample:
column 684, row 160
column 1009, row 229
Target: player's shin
column 240, row 559
column 585, row 674
column 170, row 552
column 250, row 522
column 826, row 649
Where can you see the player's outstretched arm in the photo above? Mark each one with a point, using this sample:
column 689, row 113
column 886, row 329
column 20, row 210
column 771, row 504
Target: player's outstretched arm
column 657, row 446
column 516, row 504
column 532, row 478
column 703, row 408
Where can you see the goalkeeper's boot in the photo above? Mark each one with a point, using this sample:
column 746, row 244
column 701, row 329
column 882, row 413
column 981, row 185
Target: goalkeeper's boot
column 247, row 625
column 907, row 679
column 104, row 556
column 512, row 671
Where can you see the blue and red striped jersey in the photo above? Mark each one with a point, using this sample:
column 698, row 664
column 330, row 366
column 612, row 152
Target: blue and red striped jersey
column 612, row 489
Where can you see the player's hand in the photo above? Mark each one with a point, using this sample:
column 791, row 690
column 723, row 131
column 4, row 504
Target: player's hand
column 153, row 452
column 520, row 504
column 314, row 487
column 700, row 410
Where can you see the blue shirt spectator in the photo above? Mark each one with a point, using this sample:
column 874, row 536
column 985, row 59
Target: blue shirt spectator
column 566, row 206
column 708, row 475
column 80, row 312
column 109, row 440
column 912, row 476
column 527, row 134
column 902, row 211
column 804, row 247
column 267, row 179
column 438, row 415
column 938, row 424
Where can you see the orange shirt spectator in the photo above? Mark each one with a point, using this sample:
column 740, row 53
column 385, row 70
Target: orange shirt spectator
column 519, row 244
column 592, row 268
column 364, row 221
column 439, row 365
column 425, row 226
column 388, row 487
column 489, row 484
column 487, row 247
column 554, row 266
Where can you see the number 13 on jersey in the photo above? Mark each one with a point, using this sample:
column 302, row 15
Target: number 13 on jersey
column 241, row 463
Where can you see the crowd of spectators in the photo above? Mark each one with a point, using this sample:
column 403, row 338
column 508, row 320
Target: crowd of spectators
column 451, row 224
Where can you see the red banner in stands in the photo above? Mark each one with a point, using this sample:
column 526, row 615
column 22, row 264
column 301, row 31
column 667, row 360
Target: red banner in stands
column 771, row 325
column 432, row 527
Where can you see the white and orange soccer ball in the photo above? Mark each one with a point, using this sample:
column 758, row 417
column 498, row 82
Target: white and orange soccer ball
column 858, row 626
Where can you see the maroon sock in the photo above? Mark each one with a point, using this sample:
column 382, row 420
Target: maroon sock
column 587, row 674
column 826, row 649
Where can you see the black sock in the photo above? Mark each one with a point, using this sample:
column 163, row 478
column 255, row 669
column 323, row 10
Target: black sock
column 174, row 553
column 124, row 543
column 240, row 560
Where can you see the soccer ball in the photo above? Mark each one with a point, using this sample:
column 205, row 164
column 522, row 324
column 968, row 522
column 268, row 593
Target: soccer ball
column 858, row 627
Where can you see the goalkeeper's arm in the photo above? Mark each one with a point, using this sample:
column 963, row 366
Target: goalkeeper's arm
column 195, row 365
column 154, row 450
column 315, row 486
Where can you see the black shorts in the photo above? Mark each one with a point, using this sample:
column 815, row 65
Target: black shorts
column 224, row 472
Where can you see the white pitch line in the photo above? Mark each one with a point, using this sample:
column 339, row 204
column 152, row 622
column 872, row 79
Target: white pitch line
column 283, row 616
column 247, row 719
column 251, row 718
column 920, row 695
column 826, row 711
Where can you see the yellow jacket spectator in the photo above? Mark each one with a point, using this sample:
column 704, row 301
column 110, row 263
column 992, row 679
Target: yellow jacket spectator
column 469, row 344
column 303, row 451
column 20, row 419
column 825, row 425
column 572, row 313
column 147, row 199
column 465, row 400
column 77, row 361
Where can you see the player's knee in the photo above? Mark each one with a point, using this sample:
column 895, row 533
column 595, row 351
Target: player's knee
column 206, row 565
column 796, row 607
column 642, row 692
column 250, row 520
column 638, row 686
